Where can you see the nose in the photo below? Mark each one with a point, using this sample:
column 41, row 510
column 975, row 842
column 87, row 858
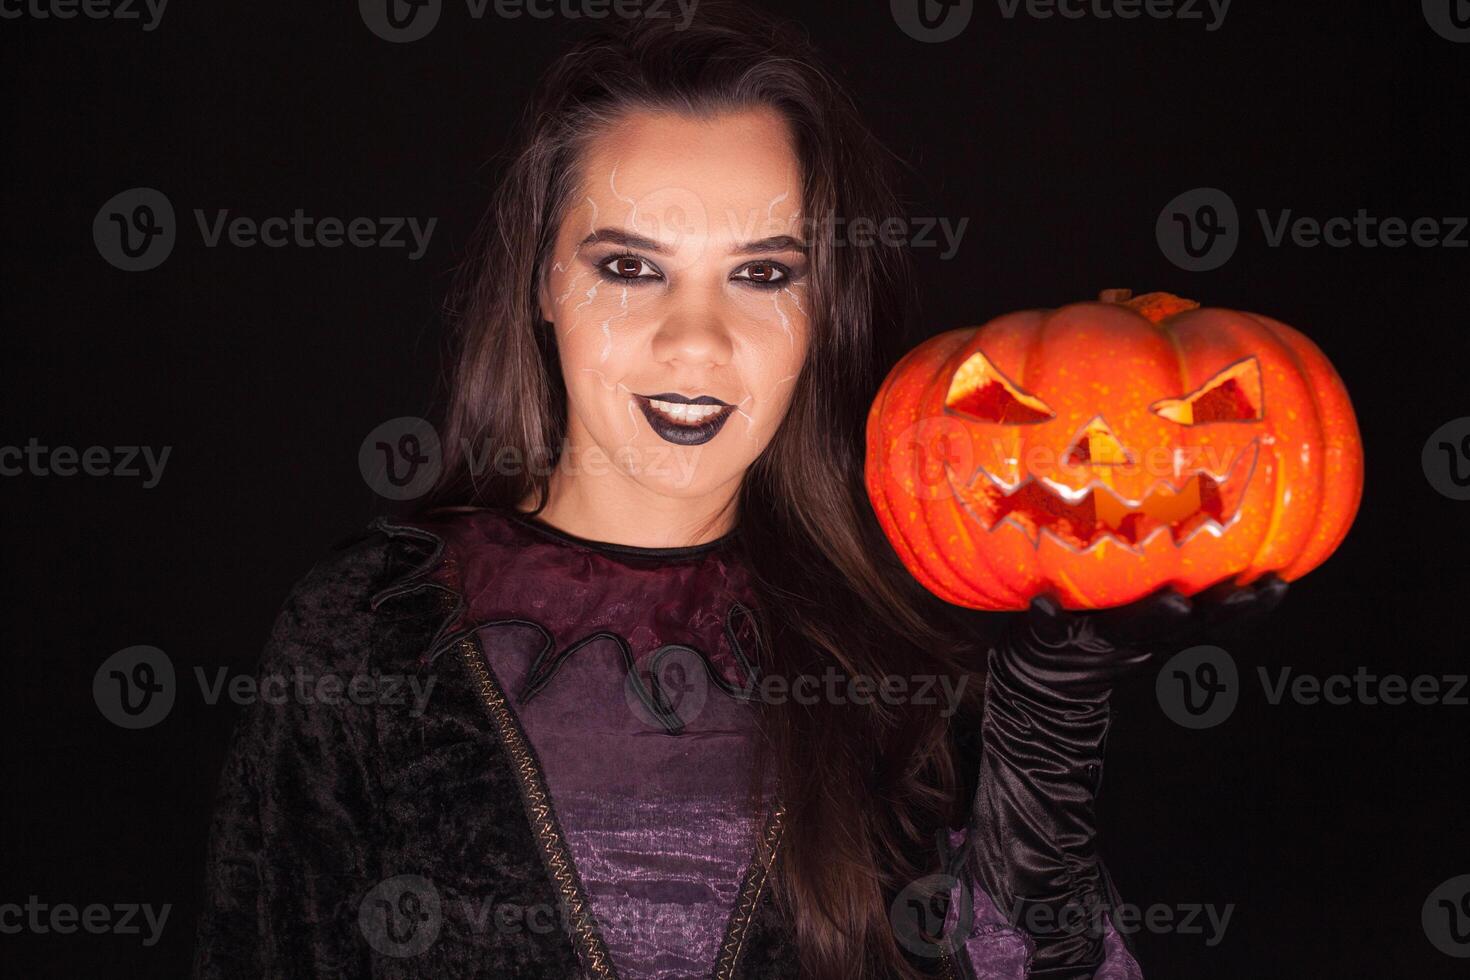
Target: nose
column 694, row 336
column 1098, row 445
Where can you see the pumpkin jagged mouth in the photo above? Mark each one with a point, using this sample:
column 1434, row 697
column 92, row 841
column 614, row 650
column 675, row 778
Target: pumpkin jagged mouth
column 1083, row 518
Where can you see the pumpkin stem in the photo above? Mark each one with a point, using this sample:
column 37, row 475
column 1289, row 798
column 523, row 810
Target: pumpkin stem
column 1156, row 307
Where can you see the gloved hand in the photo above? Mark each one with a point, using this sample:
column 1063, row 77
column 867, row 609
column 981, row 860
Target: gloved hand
column 1034, row 825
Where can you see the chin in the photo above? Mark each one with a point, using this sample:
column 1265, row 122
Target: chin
column 675, row 484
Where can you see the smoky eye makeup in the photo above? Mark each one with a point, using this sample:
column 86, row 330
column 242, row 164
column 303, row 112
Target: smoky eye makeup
column 766, row 274
column 630, row 268
column 627, row 268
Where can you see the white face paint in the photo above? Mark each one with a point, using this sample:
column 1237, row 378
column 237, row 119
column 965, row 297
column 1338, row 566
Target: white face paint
column 710, row 313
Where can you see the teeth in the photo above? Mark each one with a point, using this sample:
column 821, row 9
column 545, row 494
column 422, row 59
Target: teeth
column 686, row 414
column 1081, row 518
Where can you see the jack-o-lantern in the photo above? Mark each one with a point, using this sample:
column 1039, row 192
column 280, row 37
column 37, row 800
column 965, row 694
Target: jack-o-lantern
column 1101, row 451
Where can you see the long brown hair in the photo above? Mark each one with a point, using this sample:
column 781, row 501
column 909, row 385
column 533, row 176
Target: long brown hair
column 866, row 788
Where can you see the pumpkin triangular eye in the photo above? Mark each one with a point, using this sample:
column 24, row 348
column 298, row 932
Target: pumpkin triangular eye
column 1233, row 395
column 980, row 392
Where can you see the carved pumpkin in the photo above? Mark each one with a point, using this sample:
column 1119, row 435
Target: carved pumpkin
column 1104, row 450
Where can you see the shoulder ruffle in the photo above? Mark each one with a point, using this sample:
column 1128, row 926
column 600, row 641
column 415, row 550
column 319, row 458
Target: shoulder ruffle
column 724, row 649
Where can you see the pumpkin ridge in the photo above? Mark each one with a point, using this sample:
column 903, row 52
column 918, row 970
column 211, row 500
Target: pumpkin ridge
column 917, row 534
column 941, row 554
column 980, row 554
column 1072, row 587
column 908, row 553
column 1028, row 382
column 1319, row 459
column 1172, row 335
column 879, row 492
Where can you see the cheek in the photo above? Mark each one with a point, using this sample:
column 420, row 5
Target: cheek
column 596, row 319
column 597, row 346
column 774, row 312
column 776, row 331
column 776, row 335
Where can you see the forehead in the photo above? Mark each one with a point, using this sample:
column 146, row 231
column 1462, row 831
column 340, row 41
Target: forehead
column 734, row 174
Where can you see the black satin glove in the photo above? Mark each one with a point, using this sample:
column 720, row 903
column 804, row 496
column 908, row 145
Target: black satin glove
column 1034, row 827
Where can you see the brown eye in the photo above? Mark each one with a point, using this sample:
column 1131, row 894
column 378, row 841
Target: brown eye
column 630, row 267
column 762, row 273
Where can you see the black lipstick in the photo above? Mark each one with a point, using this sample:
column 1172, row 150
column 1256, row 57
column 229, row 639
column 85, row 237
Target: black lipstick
column 683, row 432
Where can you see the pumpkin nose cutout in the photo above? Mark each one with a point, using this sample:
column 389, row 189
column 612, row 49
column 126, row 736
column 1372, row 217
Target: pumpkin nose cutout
column 1097, row 446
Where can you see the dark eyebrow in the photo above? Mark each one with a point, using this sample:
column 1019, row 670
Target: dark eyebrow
column 624, row 239
column 778, row 243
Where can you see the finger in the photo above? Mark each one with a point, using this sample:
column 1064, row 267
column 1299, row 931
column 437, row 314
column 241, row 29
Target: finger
column 1087, row 633
column 1253, row 603
column 1049, row 622
column 1221, row 592
column 1242, row 606
column 1267, row 591
column 1270, row 591
column 1155, row 617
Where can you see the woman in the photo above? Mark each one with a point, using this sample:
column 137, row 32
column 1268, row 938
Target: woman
column 680, row 715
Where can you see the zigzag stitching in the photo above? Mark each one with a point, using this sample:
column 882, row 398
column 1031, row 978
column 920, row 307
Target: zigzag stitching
column 548, row 838
column 750, row 892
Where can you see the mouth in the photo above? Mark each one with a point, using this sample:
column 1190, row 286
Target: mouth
column 1080, row 519
column 682, row 420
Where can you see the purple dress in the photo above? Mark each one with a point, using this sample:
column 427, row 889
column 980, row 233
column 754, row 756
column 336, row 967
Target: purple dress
column 629, row 672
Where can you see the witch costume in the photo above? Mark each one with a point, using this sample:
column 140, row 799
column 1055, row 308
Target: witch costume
column 572, row 798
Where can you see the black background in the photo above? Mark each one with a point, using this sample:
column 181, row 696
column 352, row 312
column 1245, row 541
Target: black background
column 1059, row 140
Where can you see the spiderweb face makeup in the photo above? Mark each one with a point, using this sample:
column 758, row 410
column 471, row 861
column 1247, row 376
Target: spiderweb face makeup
column 678, row 294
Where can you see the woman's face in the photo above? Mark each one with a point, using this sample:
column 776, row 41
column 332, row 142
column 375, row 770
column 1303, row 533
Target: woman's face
column 678, row 293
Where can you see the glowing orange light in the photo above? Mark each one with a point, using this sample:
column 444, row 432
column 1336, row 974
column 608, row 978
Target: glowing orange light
column 1103, row 450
